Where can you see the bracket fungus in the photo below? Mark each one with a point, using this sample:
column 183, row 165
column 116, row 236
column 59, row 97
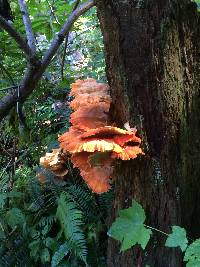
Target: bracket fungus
column 55, row 161
column 93, row 142
column 92, row 135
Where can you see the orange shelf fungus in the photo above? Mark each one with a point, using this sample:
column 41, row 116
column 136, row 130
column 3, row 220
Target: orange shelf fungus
column 55, row 162
column 92, row 135
column 92, row 141
column 98, row 177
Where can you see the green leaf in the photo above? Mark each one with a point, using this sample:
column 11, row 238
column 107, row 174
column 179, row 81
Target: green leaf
column 15, row 217
column 45, row 255
column 129, row 227
column 35, row 248
column 192, row 254
column 50, row 243
column 177, row 238
column 195, row 263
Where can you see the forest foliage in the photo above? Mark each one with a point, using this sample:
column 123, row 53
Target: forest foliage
column 59, row 222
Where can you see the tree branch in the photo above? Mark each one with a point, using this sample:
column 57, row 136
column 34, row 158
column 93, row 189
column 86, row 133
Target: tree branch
column 53, row 13
column 34, row 73
column 66, row 28
column 64, row 56
column 4, row 24
column 76, row 4
column 65, row 45
column 27, row 24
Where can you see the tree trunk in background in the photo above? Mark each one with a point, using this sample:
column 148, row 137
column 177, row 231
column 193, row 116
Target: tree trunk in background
column 152, row 56
column 5, row 10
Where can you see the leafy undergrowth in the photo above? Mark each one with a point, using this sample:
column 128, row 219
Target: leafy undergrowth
column 139, row 233
column 58, row 224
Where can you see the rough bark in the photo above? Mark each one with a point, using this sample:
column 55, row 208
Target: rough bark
column 152, row 58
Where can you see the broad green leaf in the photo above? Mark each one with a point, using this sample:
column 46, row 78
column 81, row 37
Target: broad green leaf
column 129, row 227
column 198, row 4
column 15, row 217
column 51, row 243
column 35, row 248
column 192, row 254
column 195, row 263
column 177, row 238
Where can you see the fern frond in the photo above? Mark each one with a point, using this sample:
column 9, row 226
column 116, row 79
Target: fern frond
column 37, row 198
column 46, row 221
column 22, row 259
column 84, row 200
column 16, row 253
column 105, row 202
column 4, row 183
column 71, row 220
column 60, row 254
column 7, row 259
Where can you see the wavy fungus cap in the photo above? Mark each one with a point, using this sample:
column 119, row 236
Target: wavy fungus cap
column 92, row 134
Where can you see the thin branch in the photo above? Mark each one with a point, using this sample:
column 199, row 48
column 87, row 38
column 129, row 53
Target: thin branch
column 66, row 28
column 34, row 73
column 51, row 24
column 64, row 56
column 53, row 13
column 27, row 25
column 76, row 4
column 4, row 24
column 66, row 44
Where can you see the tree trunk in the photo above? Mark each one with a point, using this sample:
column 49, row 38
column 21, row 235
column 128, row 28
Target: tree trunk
column 5, row 10
column 152, row 58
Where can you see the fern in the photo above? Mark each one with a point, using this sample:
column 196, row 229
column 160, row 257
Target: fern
column 37, row 199
column 4, row 183
column 84, row 200
column 45, row 224
column 7, row 259
column 71, row 219
column 15, row 217
column 22, row 259
column 60, row 254
column 105, row 203
column 17, row 255
column 46, row 221
column 14, row 243
column 3, row 198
